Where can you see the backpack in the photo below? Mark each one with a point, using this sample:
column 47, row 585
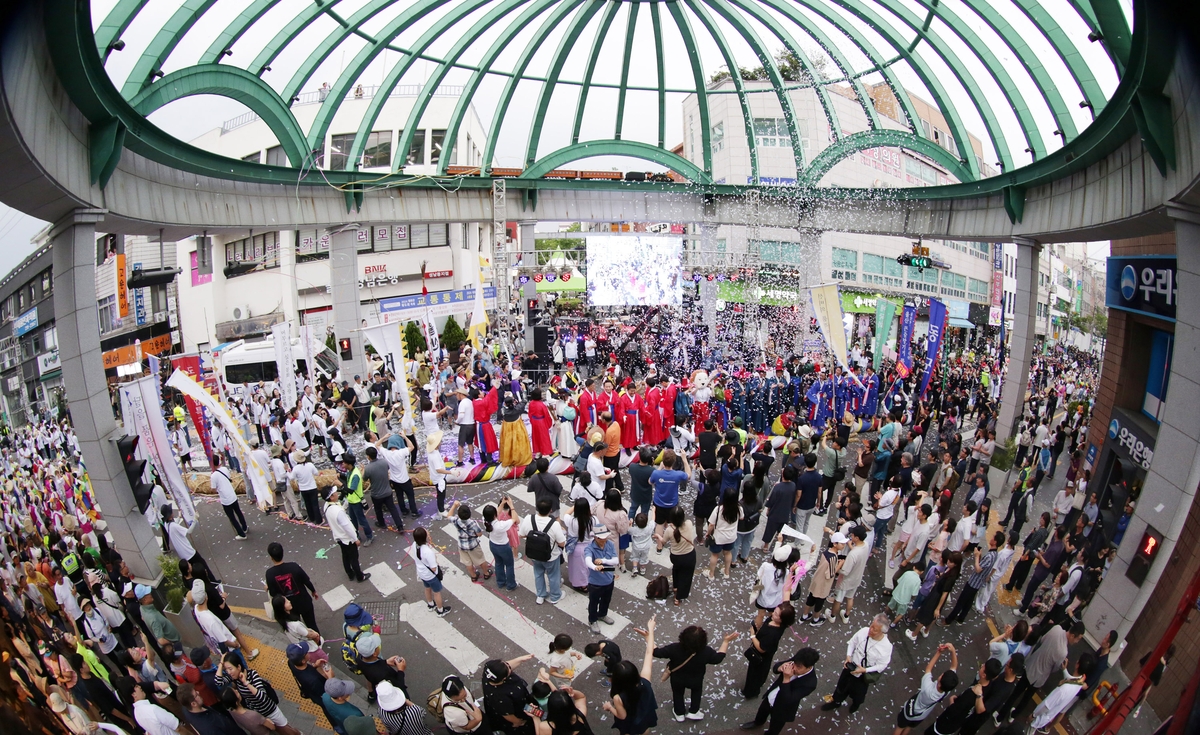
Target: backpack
column 658, row 588
column 350, row 653
column 433, row 703
column 538, row 544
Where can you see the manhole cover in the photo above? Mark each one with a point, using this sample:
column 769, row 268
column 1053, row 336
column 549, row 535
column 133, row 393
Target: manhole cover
column 386, row 614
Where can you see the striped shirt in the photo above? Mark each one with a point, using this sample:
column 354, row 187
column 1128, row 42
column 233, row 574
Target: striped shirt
column 986, row 562
column 260, row 701
column 409, row 719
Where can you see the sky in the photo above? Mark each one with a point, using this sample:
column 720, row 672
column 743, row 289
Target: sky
column 16, row 232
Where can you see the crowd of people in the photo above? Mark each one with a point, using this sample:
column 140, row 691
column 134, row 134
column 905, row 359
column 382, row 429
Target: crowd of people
column 760, row 457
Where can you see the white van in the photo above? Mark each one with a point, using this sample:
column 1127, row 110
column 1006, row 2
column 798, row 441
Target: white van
column 246, row 363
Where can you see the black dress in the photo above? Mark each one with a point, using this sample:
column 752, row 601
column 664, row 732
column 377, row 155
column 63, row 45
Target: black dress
column 759, row 663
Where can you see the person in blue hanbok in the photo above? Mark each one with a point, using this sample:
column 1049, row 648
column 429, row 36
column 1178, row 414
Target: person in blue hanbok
column 820, row 403
column 756, row 401
column 737, row 397
column 870, row 401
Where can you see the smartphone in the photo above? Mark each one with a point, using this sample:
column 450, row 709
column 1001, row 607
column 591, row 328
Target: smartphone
column 534, row 711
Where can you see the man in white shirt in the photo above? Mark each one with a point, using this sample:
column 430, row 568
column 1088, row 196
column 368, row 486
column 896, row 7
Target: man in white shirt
column 869, row 651
column 917, row 539
column 64, row 593
column 295, row 429
column 345, row 535
column 178, row 534
column 396, row 453
column 261, row 459
column 885, row 508
column 437, row 468
column 153, row 719
column 304, row 474
column 212, row 625
column 465, row 420
column 229, row 502
column 547, row 575
column 964, row 529
column 362, row 398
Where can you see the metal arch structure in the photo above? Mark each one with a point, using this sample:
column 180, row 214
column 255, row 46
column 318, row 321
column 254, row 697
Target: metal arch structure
column 905, row 36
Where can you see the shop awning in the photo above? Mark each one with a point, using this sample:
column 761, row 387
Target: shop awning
column 961, row 323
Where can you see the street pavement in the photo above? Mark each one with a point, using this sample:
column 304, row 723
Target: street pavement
column 490, row 623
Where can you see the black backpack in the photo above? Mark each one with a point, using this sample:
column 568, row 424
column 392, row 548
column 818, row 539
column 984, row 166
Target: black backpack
column 538, row 544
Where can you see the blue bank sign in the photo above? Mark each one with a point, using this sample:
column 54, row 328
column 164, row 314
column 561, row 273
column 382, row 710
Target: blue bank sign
column 1142, row 284
column 26, row 323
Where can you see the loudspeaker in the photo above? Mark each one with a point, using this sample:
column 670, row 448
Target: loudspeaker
column 541, row 340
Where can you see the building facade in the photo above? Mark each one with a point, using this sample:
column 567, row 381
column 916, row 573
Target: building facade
column 134, row 321
column 30, row 372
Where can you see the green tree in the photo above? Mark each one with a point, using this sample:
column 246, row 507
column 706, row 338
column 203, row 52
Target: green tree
column 547, row 247
column 414, row 340
column 453, row 335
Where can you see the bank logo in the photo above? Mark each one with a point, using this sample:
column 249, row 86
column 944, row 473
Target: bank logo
column 1128, row 283
column 1114, row 428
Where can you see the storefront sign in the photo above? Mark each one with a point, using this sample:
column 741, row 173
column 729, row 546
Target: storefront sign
column 48, row 361
column 957, row 309
column 1142, row 284
column 438, row 274
column 863, row 303
column 444, row 303
column 996, row 313
column 375, row 269
column 1130, row 440
column 122, row 289
column 128, row 353
column 26, row 323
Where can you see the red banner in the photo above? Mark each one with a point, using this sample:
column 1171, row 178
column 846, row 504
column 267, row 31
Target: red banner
column 190, row 364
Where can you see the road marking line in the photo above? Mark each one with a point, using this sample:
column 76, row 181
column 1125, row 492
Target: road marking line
column 443, row 637
column 384, row 578
column 338, row 597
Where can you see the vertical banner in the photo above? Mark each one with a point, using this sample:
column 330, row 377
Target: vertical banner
column 190, row 364
column 908, row 322
column 306, row 349
column 937, row 330
column 827, row 308
column 885, row 312
column 431, row 335
column 122, row 288
column 143, row 416
column 996, row 312
column 388, row 341
column 256, row 477
column 285, row 363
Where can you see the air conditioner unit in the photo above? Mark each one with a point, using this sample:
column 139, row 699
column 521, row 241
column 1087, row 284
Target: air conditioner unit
column 240, row 313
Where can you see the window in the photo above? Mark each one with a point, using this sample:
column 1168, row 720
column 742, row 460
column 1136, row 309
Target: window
column 416, row 150
column 955, row 245
column 882, row 271
column 718, row 137
column 772, row 251
column 928, row 131
column 428, row 236
column 772, row 132
column 254, row 157
column 918, row 172
column 107, row 309
column 437, row 139
column 339, row 150
column 925, row 280
column 378, row 152
column 262, row 249
column 954, row 284
column 979, row 290
column 845, row 264
column 47, row 283
column 21, row 300
column 106, row 248
column 276, row 156
column 981, row 250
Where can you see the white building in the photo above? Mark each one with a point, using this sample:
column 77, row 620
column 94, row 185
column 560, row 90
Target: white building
column 239, row 284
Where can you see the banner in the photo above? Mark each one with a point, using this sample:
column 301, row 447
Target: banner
column 827, row 308
column 142, row 414
column 256, row 477
column 432, row 343
column 190, row 364
column 937, row 330
column 306, row 350
column 285, row 363
column 122, row 287
column 908, row 322
column 388, row 341
column 479, row 320
column 885, row 312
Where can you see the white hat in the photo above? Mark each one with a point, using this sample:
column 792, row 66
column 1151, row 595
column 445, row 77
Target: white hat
column 838, row 538
column 199, row 595
column 782, row 552
column 390, row 698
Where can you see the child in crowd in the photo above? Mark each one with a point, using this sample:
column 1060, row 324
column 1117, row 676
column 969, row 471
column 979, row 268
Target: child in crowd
column 641, row 539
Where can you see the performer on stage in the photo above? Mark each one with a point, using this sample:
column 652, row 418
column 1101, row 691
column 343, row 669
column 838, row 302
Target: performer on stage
column 653, row 430
column 570, row 379
column 540, row 422
column 820, row 402
column 606, row 400
column 756, row 401
column 629, row 411
column 485, row 405
column 587, row 407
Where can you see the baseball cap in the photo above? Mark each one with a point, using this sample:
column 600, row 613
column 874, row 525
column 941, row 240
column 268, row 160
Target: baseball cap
column 296, row 652
column 141, row 590
column 367, row 644
column 782, row 552
column 339, row 687
column 601, row 532
column 838, row 538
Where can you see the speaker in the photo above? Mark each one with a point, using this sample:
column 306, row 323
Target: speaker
column 541, row 340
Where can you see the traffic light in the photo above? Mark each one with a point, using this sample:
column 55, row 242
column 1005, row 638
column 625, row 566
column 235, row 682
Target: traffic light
column 134, row 469
column 344, row 348
column 920, row 262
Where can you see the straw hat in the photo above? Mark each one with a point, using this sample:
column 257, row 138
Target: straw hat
column 433, row 441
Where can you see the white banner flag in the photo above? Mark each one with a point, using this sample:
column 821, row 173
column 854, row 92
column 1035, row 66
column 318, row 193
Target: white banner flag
column 285, row 362
column 142, row 414
column 431, row 336
column 385, row 338
column 827, row 308
column 256, row 477
column 306, row 349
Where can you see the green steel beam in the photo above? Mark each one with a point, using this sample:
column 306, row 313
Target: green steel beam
column 597, row 42
column 1111, row 23
column 926, row 74
column 287, row 34
column 824, row 162
column 630, row 29
column 236, row 84
column 464, row 42
column 781, row 33
column 765, row 58
column 397, row 72
column 734, row 74
column 354, row 70
column 656, row 24
column 329, row 44
column 116, row 22
column 630, row 148
column 689, row 42
column 228, row 37
column 565, row 45
column 1063, row 46
column 1008, row 88
column 556, row 16
column 163, row 43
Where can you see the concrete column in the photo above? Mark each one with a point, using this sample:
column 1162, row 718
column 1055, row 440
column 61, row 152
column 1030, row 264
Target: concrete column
column 708, row 289
column 74, row 242
column 1171, row 483
column 525, row 237
column 343, row 280
column 287, row 271
column 1012, row 397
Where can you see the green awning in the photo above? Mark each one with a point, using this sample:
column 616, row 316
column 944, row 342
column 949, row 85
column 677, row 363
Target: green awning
column 773, row 294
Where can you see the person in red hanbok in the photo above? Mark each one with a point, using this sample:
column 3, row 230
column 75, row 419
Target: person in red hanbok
column 668, row 405
column 485, row 433
column 629, row 408
column 540, row 421
column 606, row 399
column 588, row 412
column 653, row 431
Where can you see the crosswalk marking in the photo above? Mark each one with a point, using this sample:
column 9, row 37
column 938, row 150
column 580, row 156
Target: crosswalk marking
column 443, row 637
column 384, row 578
column 338, row 597
column 528, row 635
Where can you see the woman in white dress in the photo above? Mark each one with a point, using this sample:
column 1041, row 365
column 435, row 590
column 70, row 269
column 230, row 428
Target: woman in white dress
column 564, row 433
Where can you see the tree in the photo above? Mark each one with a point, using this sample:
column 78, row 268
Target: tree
column 453, row 335
column 414, row 340
column 547, row 247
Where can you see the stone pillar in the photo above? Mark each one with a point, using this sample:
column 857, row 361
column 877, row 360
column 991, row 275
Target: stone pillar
column 287, row 271
column 343, row 281
column 525, row 237
column 1171, row 483
column 74, row 242
column 1016, row 381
